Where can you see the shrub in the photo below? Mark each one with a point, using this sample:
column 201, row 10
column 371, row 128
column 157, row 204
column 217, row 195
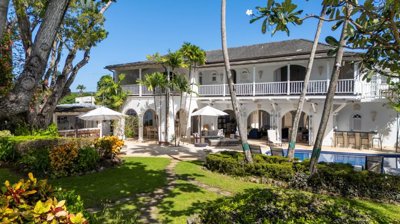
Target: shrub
column 7, row 150
column 232, row 163
column 32, row 201
column 109, row 146
column 87, row 159
column 282, row 206
column 36, row 160
column 5, row 133
column 62, row 159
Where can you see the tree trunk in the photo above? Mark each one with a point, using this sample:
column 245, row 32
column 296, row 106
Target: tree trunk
column 235, row 103
column 19, row 99
column 292, row 142
column 156, row 117
column 190, row 101
column 3, row 16
column 330, row 95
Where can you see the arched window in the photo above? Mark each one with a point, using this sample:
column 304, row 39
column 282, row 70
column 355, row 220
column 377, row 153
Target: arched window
column 131, row 112
column 356, row 122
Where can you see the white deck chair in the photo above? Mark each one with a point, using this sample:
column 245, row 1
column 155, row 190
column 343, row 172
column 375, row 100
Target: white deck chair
column 273, row 138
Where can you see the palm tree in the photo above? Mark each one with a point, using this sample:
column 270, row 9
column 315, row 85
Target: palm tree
column 235, row 104
column 331, row 91
column 153, row 82
column 181, row 84
column 302, row 98
column 193, row 57
column 81, row 88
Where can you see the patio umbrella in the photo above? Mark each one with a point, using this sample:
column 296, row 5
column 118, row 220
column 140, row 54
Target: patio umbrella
column 208, row 111
column 101, row 114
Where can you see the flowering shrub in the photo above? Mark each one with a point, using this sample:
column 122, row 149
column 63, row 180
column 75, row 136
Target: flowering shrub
column 62, row 158
column 33, row 201
column 109, row 146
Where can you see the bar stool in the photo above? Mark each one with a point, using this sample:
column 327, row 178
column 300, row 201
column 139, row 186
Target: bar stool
column 364, row 140
column 339, row 139
column 351, row 139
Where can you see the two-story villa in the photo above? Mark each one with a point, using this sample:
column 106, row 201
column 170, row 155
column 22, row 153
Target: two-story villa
column 268, row 81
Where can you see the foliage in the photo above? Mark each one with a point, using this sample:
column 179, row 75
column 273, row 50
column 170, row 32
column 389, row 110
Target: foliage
column 7, row 152
column 88, row 159
column 282, row 206
column 62, row 158
column 81, row 88
column 70, row 98
column 33, row 201
column 6, row 76
column 36, row 160
column 338, row 179
column 5, row 133
column 110, row 93
column 109, row 146
column 233, row 163
column 131, row 125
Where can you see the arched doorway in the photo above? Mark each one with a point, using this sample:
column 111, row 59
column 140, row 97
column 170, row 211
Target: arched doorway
column 260, row 120
column 228, row 123
column 150, row 124
column 131, row 124
column 303, row 129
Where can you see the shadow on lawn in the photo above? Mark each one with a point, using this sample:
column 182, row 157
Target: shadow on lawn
column 116, row 183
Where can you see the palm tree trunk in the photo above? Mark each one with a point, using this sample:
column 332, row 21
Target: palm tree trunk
column 3, row 16
column 190, row 100
column 235, row 103
column 292, row 142
column 157, row 119
column 330, row 95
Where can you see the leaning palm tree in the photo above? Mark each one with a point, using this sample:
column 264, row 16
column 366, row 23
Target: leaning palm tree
column 332, row 88
column 81, row 88
column 153, row 82
column 193, row 57
column 292, row 142
column 235, row 103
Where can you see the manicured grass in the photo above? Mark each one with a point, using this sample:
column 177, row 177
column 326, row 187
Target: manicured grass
column 136, row 175
column 194, row 170
column 184, row 200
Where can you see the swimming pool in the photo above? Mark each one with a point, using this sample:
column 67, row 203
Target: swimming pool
column 390, row 161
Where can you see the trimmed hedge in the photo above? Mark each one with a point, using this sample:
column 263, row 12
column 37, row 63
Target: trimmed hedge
column 233, row 163
column 338, row 179
column 284, row 206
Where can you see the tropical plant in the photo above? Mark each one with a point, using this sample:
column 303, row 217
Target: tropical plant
column 193, row 56
column 110, row 93
column 131, row 125
column 81, row 88
column 235, row 102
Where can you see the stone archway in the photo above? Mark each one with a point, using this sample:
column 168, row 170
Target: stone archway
column 180, row 123
column 287, row 125
column 131, row 124
column 259, row 119
column 194, row 123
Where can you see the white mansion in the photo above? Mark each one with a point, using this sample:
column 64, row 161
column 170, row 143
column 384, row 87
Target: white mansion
column 268, row 80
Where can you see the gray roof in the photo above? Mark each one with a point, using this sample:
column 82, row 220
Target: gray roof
column 281, row 49
column 75, row 107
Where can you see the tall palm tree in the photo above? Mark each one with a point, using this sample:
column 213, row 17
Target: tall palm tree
column 302, row 98
column 193, row 57
column 235, row 103
column 154, row 82
column 331, row 91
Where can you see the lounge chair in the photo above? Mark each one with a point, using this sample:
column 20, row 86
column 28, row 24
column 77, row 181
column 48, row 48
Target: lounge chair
column 273, row 138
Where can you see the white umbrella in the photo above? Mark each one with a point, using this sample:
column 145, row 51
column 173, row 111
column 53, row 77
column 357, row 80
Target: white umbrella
column 208, row 111
column 101, row 114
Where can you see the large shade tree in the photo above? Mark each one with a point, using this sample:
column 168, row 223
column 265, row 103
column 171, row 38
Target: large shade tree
column 45, row 31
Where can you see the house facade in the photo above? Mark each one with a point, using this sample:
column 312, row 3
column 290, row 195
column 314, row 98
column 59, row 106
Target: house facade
column 268, row 81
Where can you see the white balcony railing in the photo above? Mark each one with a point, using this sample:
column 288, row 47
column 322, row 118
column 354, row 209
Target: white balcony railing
column 315, row 87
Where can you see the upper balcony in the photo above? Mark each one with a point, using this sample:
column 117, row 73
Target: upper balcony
column 345, row 87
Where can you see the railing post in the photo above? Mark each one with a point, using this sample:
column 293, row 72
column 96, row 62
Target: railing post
column 140, row 78
column 254, row 80
column 288, row 79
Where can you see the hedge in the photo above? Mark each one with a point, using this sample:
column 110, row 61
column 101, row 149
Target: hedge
column 284, row 206
column 338, row 179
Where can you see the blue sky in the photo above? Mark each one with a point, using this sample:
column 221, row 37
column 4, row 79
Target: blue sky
column 142, row 27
